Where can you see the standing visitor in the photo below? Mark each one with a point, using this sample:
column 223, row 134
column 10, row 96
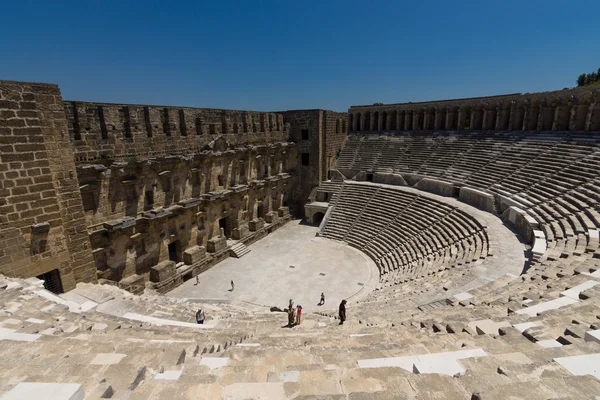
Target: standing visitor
column 342, row 312
column 197, row 280
column 232, row 286
column 200, row 316
column 290, row 311
column 322, row 299
column 298, row 314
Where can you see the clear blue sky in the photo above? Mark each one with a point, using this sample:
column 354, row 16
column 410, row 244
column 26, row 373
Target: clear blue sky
column 275, row 55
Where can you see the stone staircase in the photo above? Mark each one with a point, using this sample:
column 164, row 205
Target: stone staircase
column 248, row 354
column 239, row 250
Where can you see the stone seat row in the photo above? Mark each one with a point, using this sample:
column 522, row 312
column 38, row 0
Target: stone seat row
column 403, row 231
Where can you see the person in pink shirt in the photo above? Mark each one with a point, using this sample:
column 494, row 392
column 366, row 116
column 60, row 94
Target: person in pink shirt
column 298, row 314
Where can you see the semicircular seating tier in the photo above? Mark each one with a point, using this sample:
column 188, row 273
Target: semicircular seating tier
column 552, row 177
column 406, row 234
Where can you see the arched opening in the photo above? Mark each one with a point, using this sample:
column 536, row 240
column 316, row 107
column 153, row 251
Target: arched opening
column 317, row 218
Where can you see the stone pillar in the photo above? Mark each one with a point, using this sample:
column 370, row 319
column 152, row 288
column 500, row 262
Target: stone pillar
column 540, row 118
column 450, row 120
column 400, row 120
column 427, row 119
column 462, row 116
column 408, row 120
column 372, row 121
column 578, row 117
column 562, row 115
column 362, row 121
column 415, row 120
column 380, row 120
column 592, row 121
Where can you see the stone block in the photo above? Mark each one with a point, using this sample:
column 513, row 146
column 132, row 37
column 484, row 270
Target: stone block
column 194, row 255
column 477, row 198
column 283, row 211
column 336, row 176
column 436, row 186
column 256, row 224
column 240, row 232
column 162, row 271
column 539, row 242
column 389, row 179
column 134, row 284
column 524, row 223
column 42, row 390
column 271, row 217
column 216, row 244
column 412, row 179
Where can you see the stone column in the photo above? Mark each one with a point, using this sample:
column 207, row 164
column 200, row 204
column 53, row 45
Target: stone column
column 562, row 115
column 415, row 120
column 450, row 118
column 592, row 117
column 380, row 120
column 408, row 120
column 512, row 116
column 427, row 117
column 362, row 121
column 372, row 121
column 487, row 115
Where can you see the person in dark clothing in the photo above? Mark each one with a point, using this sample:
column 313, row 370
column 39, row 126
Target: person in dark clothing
column 200, row 316
column 342, row 312
column 322, row 299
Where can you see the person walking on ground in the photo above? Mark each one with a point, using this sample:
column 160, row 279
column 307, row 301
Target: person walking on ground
column 232, row 285
column 291, row 305
column 322, row 300
column 290, row 311
column 200, row 316
column 298, row 314
column 197, row 280
column 342, row 312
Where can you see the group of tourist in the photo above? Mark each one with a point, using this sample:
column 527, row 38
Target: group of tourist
column 294, row 313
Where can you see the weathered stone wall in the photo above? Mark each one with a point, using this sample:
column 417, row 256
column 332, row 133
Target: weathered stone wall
column 130, row 188
column 319, row 134
column 562, row 110
column 335, row 132
column 101, row 131
column 306, row 130
column 42, row 224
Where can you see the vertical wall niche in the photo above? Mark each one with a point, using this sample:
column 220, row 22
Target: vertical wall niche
column 126, row 123
column 147, row 122
column 166, row 124
column 103, row 129
column 199, row 126
column 76, row 124
column 182, row 127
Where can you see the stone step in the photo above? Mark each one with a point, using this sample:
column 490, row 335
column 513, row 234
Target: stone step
column 239, row 250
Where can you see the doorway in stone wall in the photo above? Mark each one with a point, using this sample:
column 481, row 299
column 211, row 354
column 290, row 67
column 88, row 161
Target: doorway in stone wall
column 52, row 281
column 225, row 224
column 260, row 211
column 174, row 251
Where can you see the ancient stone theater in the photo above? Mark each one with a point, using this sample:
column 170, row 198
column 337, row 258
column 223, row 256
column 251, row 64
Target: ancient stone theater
column 151, row 252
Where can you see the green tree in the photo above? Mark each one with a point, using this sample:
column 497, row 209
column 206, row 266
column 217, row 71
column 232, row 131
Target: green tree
column 581, row 80
column 593, row 77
